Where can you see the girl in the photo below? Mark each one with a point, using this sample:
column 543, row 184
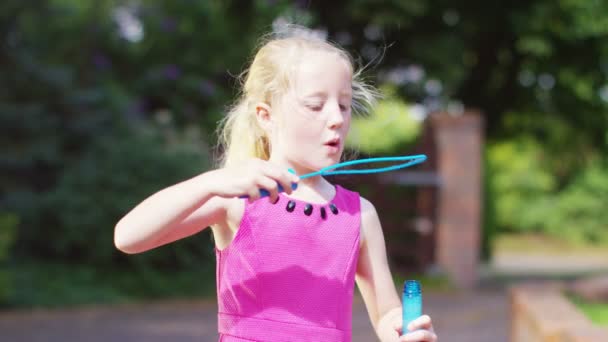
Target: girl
column 286, row 265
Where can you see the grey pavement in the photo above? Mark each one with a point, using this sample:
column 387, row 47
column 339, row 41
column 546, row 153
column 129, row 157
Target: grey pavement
column 474, row 316
column 458, row 317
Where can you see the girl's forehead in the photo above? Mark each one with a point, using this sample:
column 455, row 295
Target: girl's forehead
column 315, row 61
column 322, row 69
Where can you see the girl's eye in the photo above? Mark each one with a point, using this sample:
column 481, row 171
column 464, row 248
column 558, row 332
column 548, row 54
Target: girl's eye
column 343, row 107
column 315, row 108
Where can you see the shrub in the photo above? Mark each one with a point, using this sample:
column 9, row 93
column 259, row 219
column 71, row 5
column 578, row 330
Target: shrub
column 75, row 220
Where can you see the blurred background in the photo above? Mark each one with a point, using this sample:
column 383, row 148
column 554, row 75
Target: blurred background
column 104, row 102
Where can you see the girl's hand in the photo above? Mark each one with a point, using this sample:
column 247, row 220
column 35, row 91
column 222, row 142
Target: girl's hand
column 251, row 176
column 390, row 329
column 420, row 329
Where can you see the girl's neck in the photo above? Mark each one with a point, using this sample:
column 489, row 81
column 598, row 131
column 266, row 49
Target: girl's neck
column 299, row 170
column 315, row 189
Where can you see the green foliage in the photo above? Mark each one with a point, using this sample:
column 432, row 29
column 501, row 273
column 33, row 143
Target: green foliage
column 526, row 197
column 74, row 86
column 86, row 71
column 499, row 57
column 518, row 177
column 389, row 129
column 565, row 150
column 428, row 283
column 539, row 181
column 75, row 91
column 520, row 63
column 92, row 195
column 8, row 225
column 46, row 284
column 578, row 212
column 596, row 312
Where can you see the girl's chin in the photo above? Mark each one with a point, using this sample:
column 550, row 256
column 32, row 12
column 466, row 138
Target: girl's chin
column 329, row 161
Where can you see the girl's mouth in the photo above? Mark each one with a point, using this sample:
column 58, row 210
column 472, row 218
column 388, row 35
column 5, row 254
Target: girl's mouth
column 333, row 143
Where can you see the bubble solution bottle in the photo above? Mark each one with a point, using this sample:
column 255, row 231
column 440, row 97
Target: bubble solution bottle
column 412, row 302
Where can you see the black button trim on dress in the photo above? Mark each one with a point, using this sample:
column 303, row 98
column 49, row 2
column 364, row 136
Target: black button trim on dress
column 291, row 205
column 333, row 209
column 308, row 209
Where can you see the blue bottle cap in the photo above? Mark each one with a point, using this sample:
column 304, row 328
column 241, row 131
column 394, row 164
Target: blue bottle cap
column 411, row 287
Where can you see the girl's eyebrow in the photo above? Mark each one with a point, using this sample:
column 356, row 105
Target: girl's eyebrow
column 322, row 94
column 315, row 94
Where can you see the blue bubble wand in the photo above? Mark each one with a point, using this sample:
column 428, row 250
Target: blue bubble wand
column 339, row 169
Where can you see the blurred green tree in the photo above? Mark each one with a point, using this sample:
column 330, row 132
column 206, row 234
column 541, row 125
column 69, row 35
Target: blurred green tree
column 538, row 72
column 528, row 57
column 105, row 102
column 99, row 100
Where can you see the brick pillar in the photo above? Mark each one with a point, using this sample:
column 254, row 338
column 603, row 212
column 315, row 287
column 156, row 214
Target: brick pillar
column 458, row 141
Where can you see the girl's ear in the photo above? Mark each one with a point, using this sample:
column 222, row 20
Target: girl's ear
column 263, row 115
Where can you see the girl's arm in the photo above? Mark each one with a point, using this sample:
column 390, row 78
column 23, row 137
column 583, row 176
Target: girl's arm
column 192, row 205
column 377, row 287
column 171, row 214
column 373, row 275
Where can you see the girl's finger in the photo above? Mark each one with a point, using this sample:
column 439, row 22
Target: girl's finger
column 398, row 326
column 271, row 186
column 419, row 336
column 280, row 175
column 287, row 179
column 253, row 195
column 422, row 322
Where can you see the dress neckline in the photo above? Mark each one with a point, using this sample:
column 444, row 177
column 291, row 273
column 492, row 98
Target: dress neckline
column 324, row 203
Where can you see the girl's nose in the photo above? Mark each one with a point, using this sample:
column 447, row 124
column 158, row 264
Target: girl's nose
column 336, row 116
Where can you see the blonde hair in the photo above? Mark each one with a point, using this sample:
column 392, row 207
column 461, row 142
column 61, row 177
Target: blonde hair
column 240, row 136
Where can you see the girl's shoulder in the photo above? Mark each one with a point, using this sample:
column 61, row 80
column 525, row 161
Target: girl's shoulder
column 225, row 229
column 370, row 222
column 235, row 209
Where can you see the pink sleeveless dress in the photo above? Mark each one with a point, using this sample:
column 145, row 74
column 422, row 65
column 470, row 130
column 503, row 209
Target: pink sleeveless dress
column 288, row 275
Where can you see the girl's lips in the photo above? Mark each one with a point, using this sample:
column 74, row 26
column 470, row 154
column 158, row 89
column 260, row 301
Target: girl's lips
column 333, row 142
column 333, row 147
